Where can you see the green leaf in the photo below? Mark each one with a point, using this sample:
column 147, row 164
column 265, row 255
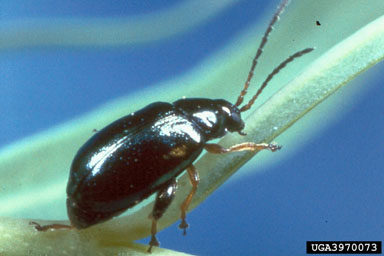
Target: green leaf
column 112, row 31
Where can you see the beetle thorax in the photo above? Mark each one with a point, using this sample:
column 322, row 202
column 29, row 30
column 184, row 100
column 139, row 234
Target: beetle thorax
column 214, row 117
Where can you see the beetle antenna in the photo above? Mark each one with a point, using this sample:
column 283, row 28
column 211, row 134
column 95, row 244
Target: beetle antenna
column 272, row 74
column 264, row 40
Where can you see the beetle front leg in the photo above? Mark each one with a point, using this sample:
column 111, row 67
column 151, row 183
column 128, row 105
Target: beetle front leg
column 194, row 178
column 246, row 146
column 164, row 198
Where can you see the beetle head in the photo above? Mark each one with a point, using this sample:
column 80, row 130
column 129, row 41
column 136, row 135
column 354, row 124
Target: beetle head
column 231, row 116
column 214, row 117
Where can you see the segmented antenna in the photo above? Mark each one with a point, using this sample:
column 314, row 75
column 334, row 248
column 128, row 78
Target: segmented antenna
column 264, row 40
column 272, row 74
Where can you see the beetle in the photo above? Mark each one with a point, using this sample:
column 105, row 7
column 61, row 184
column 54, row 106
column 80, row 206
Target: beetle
column 142, row 153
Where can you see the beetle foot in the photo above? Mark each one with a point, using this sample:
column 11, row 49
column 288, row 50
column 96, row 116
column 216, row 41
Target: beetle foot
column 184, row 225
column 153, row 242
column 274, row 147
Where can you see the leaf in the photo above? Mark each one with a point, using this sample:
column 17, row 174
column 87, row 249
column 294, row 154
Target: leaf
column 17, row 239
column 35, row 32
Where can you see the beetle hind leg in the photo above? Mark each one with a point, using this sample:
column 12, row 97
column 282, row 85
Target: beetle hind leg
column 164, row 198
column 194, row 178
column 39, row 227
column 154, row 241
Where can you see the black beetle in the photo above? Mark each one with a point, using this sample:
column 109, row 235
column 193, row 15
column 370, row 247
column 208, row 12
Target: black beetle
column 143, row 153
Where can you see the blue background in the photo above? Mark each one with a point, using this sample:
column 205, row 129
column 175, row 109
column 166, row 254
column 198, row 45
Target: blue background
column 331, row 189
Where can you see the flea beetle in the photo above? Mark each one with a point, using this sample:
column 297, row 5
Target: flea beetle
column 143, row 153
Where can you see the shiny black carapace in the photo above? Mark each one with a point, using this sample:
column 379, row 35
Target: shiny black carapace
column 143, row 153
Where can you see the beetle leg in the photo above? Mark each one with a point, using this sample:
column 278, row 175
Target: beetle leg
column 38, row 227
column 194, row 178
column 246, row 146
column 164, row 198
